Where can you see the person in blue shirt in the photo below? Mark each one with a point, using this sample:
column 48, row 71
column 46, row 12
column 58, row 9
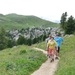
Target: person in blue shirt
column 58, row 40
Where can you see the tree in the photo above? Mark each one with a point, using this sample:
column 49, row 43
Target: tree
column 44, row 37
column 70, row 26
column 63, row 20
column 29, row 41
column 34, row 40
column 3, row 39
column 11, row 43
column 21, row 40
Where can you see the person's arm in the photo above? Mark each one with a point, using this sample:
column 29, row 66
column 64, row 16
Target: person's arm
column 56, row 46
column 46, row 41
column 47, row 46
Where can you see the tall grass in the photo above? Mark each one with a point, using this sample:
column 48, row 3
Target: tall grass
column 66, row 65
column 21, row 60
column 41, row 45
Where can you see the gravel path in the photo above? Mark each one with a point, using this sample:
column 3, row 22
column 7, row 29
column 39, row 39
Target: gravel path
column 47, row 68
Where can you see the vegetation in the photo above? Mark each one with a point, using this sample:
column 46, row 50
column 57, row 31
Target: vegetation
column 30, row 41
column 67, row 24
column 14, row 21
column 3, row 39
column 8, row 39
column 66, row 64
column 63, row 20
column 20, row 60
column 70, row 27
column 41, row 45
column 5, row 42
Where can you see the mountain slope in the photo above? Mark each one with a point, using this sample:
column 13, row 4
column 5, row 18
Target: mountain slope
column 14, row 21
column 20, row 60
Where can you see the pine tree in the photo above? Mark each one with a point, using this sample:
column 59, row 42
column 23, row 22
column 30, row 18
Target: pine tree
column 3, row 40
column 63, row 20
column 21, row 40
column 70, row 26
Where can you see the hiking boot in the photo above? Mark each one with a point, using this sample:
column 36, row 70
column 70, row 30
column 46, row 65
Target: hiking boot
column 56, row 58
column 52, row 60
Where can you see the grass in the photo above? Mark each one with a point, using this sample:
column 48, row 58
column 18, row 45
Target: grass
column 41, row 45
column 14, row 21
column 66, row 65
column 20, row 60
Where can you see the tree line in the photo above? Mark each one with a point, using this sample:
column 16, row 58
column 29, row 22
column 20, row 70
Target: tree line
column 5, row 42
column 67, row 24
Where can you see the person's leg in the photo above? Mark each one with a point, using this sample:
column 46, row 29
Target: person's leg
column 49, row 53
column 58, row 49
column 57, row 53
column 52, row 55
column 52, row 59
column 47, row 49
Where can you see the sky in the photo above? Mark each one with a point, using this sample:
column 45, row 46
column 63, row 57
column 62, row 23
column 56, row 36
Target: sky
column 46, row 9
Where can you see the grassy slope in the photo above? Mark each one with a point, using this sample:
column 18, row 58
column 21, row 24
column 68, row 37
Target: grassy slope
column 14, row 21
column 66, row 65
column 14, row 60
column 20, row 60
column 41, row 45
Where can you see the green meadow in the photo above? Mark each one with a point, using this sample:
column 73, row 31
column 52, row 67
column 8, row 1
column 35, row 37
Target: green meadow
column 41, row 45
column 14, row 21
column 66, row 65
column 24, row 60
column 20, row 60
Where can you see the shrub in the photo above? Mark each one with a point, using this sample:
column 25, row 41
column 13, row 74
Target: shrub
column 22, row 51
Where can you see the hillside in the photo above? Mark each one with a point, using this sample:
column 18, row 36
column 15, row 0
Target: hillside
column 14, row 21
column 23, row 59
column 20, row 60
column 66, row 64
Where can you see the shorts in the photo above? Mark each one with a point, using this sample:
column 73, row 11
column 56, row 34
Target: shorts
column 51, row 52
column 58, row 49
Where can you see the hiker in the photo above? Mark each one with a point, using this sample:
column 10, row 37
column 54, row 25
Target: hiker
column 51, row 47
column 46, row 44
column 58, row 40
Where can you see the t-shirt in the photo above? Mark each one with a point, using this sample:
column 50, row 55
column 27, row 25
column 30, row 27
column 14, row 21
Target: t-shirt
column 58, row 40
column 51, row 44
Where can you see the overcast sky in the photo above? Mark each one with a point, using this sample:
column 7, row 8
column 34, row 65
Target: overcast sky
column 49, row 9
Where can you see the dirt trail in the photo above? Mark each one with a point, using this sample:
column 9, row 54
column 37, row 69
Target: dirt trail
column 47, row 68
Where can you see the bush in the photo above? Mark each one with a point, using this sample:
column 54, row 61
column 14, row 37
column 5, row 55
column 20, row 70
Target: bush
column 22, row 51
